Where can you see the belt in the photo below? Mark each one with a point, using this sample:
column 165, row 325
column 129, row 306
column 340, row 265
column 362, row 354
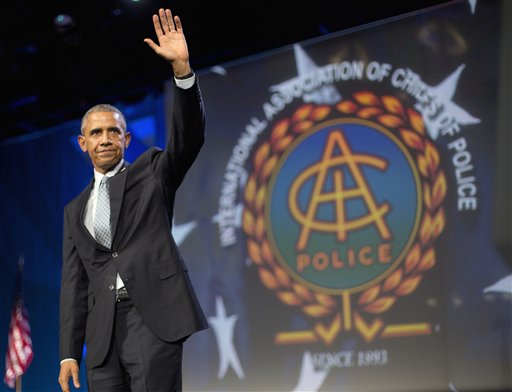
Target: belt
column 122, row 294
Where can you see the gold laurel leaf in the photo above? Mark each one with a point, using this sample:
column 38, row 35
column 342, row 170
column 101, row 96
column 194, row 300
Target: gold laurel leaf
column 268, row 279
column 390, row 120
column 302, row 113
column 254, row 251
column 422, row 165
column 440, row 189
column 412, row 139
column 438, row 223
column 302, row 126
column 432, row 157
column 269, row 167
column 266, row 252
column 250, row 190
column 393, row 105
column 281, row 144
column 393, row 280
column 416, row 121
column 248, row 222
column 302, row 292
column 259, row 228
column 381, row 305
column 367, row 98
column 369, row 112
column 347, row 107
column 279, row 130
column 260, row 198
column 427, row 197
column 428, row 260
column 325, row 300
column 282, row 277
column 289, row 298
column 315, row 310
column 413, row 258
column 408, row 285
column 425, row 228
column 320, row 113
column 369, row 295
column 261, row 156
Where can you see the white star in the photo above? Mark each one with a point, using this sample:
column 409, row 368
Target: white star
column 310, row 379
column 224, row 327
column 307, row 70
column 472, row 5
column 180, row 232
column 443, row 94
column 504, row 285
column 306, row 66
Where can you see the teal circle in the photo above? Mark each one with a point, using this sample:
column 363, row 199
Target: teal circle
column 339, row 258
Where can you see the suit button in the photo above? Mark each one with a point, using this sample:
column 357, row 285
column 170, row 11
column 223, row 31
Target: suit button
column 111, row 287
column 114, row 254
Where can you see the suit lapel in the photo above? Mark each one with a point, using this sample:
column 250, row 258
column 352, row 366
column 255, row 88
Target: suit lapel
column 82, row 204
column 117, row 185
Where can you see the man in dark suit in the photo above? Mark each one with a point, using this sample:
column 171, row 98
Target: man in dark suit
column 125, row 290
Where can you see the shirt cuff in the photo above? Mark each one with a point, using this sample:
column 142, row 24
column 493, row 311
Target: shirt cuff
column 185, row 83
column 68, row 359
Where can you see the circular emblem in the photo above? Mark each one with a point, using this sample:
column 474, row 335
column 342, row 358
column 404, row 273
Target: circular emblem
column 345, row 199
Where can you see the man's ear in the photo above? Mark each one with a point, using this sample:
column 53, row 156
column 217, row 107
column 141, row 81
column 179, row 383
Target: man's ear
column 127, row 138
column 81, row 143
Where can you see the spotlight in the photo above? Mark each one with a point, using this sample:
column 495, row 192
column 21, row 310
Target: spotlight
column 63, row 23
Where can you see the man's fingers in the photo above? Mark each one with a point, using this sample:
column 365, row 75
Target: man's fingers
column 158, row 27
column 69, row 369
column 167, row 24
column 64, row 379
column 177, row 21
column 168, row 18
column 64, row 385
column 76, row 378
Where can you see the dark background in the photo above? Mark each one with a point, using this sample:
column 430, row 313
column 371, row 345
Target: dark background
column 58, row 57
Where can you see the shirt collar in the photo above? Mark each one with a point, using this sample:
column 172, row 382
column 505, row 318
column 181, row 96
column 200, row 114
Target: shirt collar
column 98, row 176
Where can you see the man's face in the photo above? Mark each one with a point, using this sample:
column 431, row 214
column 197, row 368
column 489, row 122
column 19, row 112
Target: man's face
column 105, row 139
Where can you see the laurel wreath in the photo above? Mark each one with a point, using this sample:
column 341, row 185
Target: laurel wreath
column 408, row 124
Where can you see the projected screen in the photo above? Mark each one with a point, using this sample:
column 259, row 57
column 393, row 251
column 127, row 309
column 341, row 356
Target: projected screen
column 346, row 224
column 344, row 204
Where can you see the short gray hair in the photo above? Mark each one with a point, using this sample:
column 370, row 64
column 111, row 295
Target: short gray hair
column 102, row 107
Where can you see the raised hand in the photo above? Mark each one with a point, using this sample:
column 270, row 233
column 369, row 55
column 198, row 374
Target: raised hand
column 172, row 45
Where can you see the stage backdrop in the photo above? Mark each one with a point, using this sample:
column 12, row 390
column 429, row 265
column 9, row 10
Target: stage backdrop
column 340, row 224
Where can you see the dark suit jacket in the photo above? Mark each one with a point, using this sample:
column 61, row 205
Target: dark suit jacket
column 143, row 249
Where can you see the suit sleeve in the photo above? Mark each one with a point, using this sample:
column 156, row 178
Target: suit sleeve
column 187, row 129
column 73, row 298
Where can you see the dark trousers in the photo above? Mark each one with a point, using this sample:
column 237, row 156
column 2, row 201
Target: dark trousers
column 137, row 360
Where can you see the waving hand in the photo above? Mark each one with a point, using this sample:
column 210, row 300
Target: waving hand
column 172, row 45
